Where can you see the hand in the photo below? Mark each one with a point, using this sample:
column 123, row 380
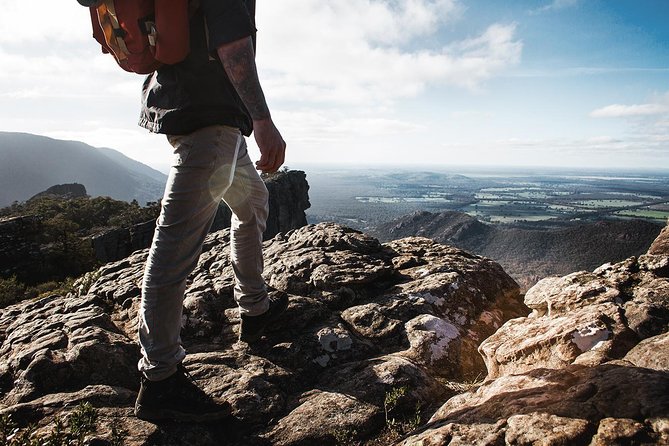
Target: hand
column 271, row 144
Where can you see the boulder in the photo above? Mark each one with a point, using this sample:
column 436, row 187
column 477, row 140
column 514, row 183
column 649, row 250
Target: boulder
column 586, row 318
column 661, row 243
column 588, row 366
column 612, row 403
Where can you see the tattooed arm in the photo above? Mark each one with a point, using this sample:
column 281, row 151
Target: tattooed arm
column 238, row 59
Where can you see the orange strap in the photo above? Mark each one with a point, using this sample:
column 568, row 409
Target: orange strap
column 112, row 29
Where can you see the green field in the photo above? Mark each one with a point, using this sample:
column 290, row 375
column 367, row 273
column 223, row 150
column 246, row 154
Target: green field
column 428, row 199
column 644, row 213
column 598, row 204
column 517, row 218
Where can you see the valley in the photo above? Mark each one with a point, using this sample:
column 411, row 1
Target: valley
column 535, row 224
column 539, row 198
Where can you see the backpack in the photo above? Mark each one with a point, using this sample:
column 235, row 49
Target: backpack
column 142, row 35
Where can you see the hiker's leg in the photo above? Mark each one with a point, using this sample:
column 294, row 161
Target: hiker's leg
column 247, row 197
column 202, row 170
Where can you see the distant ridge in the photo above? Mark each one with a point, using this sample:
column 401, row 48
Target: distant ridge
column 529, row 254
column 67, row 191
column 30, row 164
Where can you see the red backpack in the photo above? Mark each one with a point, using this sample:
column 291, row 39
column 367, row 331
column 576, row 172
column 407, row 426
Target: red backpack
column 142, row 35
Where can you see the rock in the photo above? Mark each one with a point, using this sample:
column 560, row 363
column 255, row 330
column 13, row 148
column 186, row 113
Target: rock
column 337, row 414
column 586, row 318
column 113, row 244
column 587, row 366
column 288, row 199
column 661, row 243
column 572, row 405
column 651, row 353
column 364, row 319
column 620, row 431
column 64, row 191
column 61, row 344
column 539, row 428
column 117, row 243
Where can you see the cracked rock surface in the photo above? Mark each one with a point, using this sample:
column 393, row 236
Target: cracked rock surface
column 588, row 366
column 364, row 318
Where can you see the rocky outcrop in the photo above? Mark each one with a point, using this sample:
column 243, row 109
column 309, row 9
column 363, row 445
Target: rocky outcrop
column 288, row 199
column 117, row 243
column 63, row 191
column 584, row 318
column 661, row 243
column 588, row 366
column 364, row 318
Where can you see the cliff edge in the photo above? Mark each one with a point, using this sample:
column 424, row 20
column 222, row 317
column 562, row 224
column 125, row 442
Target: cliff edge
column 588, row 366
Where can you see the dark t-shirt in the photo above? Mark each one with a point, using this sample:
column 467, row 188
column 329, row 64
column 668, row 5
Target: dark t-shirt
column 179, row 99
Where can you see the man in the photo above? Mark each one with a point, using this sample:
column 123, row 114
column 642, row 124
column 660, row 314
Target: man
column 205, row 105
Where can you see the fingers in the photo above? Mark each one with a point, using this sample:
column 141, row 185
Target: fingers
column 267, row 161
column 271, row 144
column 271, row 160
column 282, row 156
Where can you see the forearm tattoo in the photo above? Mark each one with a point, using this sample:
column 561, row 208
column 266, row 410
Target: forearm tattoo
column 239, row 64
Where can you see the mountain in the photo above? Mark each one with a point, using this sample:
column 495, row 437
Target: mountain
column 529, row 254
column 30, row 164
column 377, row 340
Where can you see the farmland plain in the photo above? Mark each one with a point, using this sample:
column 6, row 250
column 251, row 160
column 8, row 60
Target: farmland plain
column 363, row 198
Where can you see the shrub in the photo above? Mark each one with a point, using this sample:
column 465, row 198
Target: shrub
column 11, row 291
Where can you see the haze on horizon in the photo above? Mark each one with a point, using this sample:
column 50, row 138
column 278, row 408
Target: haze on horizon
column 576, row 83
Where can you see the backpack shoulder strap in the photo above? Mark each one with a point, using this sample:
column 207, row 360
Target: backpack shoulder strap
column 112, row 29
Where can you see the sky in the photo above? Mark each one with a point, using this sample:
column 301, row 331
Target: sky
column 370, row 83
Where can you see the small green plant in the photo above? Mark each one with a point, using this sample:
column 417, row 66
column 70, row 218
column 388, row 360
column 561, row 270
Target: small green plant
column 12, row 435
column 345, row 437
column 82, row 421
column 395, row 427
column 118, row 434
column 414, row 420
column 390, row 403
column 58, row 436
column 71, row 432
column 85, row 282
column 7, row 428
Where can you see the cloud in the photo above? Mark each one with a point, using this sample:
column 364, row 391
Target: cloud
column 583, row 71
column 592, row 152
column 43, row 21
column 373, row 51
column 649, row 121
column 335, row 73
column 627, row 111
column 556, row 5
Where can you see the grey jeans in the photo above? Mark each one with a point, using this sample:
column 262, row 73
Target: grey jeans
column 210, row 164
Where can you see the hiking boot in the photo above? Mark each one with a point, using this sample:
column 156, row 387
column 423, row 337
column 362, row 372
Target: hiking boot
column 177, row 398
column 252, row 327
